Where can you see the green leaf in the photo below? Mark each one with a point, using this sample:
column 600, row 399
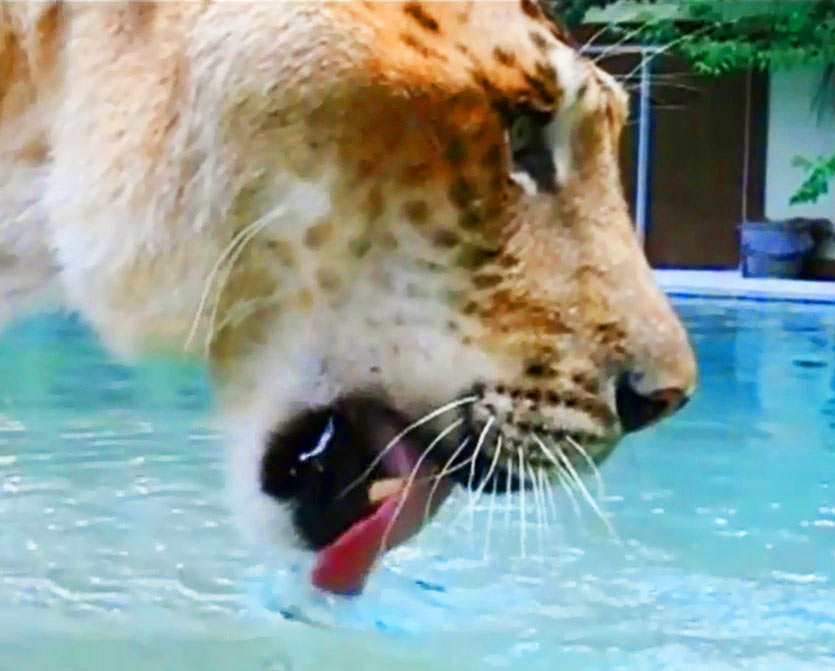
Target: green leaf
column 820, row 173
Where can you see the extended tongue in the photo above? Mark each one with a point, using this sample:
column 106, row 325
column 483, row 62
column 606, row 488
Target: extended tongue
column 344, row 565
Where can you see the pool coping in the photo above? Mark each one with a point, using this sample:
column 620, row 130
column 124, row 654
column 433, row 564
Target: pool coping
column 731, row 284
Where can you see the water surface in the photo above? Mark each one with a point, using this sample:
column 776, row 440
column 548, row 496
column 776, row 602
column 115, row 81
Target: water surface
column 117, row 551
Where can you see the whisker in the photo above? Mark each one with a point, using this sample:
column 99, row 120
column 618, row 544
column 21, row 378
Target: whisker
column 658, row 86
column 548, row 494
column 540, row 524
column 568, row 487
column 509, row 481
column 438, row 478
column 238, row 312
column 217, row 266
column 230, row 266
column 479, row 445
column 549, row 490
column 657, row 107
column 540, row 478
column 561, row 476
column 612, row 48
column 414, row 425
column 586, row 495
column 404, row 495
column 480, row 489
column 490, row 520
column 455, row 468
column 598, row 477
column 590, row 42
column 681, row 76
column 658, row 52
column 522, row 511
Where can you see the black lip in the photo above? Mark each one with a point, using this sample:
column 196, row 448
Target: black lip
column 312, row 485
column 326, row 487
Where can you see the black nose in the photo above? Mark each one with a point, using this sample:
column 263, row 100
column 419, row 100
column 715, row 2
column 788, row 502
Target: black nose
column 637, row 411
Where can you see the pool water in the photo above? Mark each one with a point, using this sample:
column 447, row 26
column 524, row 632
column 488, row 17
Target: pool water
column 117, row 551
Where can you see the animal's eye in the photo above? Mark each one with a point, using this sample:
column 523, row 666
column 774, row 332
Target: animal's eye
column 522, row 132
column 530, row 149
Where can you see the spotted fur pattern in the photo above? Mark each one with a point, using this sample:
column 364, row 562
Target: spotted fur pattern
column 325, row 197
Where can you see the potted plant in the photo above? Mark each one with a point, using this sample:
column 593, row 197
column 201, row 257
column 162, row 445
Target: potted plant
column 781, row 248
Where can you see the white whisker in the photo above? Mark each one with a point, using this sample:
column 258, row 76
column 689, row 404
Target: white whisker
column 509, row 481
column 561, row 476
column 479, row 445
column 548, row 493
column 522, row 510
column 613, row 48
column 480, row 489
column 439, row 478
column 490, row 520
column 254, row 230
column 590, row 42
column 492, row 469
column 229, row 249
column 657, row 52
column 598, row 478
column 414, row 425
column 456, row 468
column 665, row 84
column 540, row 524
column 241, row 310
column 568, row 487
column 586, row 495
column 404, row 495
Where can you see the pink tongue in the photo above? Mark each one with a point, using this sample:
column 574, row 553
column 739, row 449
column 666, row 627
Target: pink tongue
column 343, row 566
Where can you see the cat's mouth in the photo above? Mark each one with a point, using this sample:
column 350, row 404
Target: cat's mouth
column 360, row 479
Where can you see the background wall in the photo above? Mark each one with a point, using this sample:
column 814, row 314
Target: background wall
column 794, row 129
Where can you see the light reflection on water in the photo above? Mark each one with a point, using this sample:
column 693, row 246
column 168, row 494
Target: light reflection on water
column 116, row 547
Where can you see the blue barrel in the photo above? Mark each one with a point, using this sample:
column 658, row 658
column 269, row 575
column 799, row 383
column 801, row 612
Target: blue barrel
column 774, row 249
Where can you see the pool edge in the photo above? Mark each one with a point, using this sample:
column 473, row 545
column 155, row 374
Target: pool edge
column 730, row 284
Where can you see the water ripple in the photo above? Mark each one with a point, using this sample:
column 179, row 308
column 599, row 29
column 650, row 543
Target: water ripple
column 114, row 519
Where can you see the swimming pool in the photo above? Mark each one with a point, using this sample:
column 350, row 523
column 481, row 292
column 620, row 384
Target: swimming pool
column 116, row 550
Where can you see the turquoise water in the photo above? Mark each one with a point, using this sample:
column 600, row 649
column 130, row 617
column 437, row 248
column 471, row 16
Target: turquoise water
column 116, row 550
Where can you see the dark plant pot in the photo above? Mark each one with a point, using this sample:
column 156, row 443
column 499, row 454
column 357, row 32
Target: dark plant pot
column 775, row 249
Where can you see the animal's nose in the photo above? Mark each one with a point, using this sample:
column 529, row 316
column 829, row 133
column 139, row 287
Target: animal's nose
column 637, row 411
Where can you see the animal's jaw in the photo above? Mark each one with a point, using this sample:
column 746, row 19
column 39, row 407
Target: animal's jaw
column 355, row 476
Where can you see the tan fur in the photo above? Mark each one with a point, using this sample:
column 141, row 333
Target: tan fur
column 360, row 145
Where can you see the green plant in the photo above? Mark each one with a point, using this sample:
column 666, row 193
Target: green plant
column 720, row 36
column 572, row 12
column 820, row 173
